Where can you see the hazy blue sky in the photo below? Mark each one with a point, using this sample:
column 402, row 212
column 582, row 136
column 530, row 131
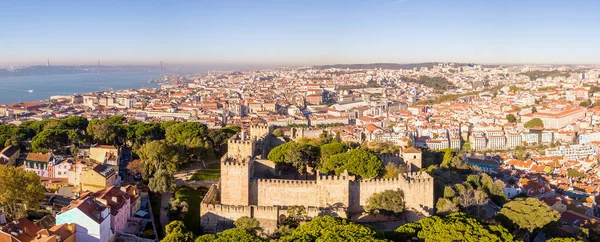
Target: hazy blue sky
column 292, row 32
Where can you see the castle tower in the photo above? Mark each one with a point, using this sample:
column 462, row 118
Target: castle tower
column 240, row 147
column 235, row 180
column 413, row 159
column 260, row 130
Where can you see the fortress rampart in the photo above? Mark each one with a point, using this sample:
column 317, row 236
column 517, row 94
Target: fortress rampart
column 267, row 200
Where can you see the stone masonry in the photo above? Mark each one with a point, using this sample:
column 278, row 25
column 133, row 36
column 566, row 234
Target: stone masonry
column 240, row 194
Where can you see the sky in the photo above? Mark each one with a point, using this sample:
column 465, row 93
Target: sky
column 299, row 32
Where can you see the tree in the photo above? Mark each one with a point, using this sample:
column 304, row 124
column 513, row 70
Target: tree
column 562, row 240
column 13, row 135
column 449, row 192
column 175, row 226
column 100, row 130
column 585, row 103
column 20, row 190
column 534, row 109
column 220, row 137
column 448, row 157
column 295, row 216
column 182, row 133
column 327, row 228
column 520, row 212
column 50, row 140
column 135, row 167
column 392, row 170
column 338, row 137
column 533, row 123
column 162, row 181
column 386, row 202
column 360, row 162
column 247, row 223
column 297, row 154
column 513, row 89
column 511, row 118
column 454, row 227
column 466, row 146
column 177, row 232
column 75, row 123
column 157, row 154
column 382, row 147
column 235, row 234
column 178, row 207
column 327, row 150
column 444, row 206
column 140, row 133
column 278, row 132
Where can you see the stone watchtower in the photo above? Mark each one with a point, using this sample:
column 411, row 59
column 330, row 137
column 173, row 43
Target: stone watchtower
column 240, row 147
column 235, row 180
column 259, row 130
column 413, row 159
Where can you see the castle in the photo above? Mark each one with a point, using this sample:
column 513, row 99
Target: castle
column 243, row 192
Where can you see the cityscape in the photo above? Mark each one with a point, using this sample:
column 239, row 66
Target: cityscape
column 193, row 142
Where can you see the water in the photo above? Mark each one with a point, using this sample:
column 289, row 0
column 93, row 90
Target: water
column 16, row 89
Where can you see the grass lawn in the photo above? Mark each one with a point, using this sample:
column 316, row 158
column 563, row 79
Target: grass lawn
column 191, row 219
column 211, row 172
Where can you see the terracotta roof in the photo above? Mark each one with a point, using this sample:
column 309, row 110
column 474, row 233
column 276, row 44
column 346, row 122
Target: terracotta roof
column 38, row 157
column 89, row 207
column 412, row 150
column 110, row 193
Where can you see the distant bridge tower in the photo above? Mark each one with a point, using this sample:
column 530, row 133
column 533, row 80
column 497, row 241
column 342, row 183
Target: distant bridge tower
column 161, row 69
column 47, row 62
column 98, row 67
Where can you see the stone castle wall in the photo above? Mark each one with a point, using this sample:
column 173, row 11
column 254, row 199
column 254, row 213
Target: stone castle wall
column 417, row 188
column 267, row 200
column 270, row 192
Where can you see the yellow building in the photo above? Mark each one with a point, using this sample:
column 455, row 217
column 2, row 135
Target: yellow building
column 8, row 156
column 97, row 178
column 105, row 154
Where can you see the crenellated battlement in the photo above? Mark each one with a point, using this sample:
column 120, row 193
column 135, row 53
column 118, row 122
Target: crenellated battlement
column 418, row 177
column 235, row 163
column 342, row 177
column 240, row 142
column 266, row 208
column 223, row 208
column 240, row 194
column 417, row 174
column 280, row 182
column 258, row 131
column 382, row 180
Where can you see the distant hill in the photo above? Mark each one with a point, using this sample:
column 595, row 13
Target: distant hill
column 392, row 66
column 58, row 70
column 40, row 71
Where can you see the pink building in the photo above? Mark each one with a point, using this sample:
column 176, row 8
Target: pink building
column 119, row 203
